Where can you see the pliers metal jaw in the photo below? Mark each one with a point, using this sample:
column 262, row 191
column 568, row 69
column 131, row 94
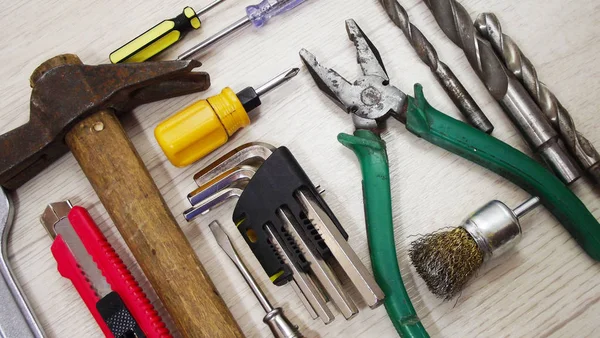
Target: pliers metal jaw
column 370, row 99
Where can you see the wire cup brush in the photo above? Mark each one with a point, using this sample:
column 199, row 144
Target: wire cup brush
column 447, row 260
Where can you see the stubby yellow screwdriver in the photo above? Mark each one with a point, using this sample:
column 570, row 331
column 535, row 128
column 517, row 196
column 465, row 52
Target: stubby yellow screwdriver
column 207, row 124
column 161, row 36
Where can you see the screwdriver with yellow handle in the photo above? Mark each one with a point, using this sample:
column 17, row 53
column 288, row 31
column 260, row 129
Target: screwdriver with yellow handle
column 161, row 36
column 207, row 124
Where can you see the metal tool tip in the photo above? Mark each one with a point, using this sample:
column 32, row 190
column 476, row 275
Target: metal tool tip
column 350, row 22
column 352, row 27
column 215, row 228
column 277, row 81
column 481, row 22
column 223, row 240
column 292, row 72
column 304, row 53
column 308, row 58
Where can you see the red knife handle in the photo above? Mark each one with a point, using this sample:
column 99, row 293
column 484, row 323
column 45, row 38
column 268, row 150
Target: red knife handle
column 67, row 267
column 117, row 274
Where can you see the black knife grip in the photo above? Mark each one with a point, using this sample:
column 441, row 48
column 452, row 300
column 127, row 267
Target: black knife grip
column 118, row 318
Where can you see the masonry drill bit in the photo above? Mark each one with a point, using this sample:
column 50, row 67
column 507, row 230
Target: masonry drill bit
column 457, row 92
column 518, row 64
column 456, row 23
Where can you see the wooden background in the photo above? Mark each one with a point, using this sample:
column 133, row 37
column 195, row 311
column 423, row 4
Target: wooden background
column 546, row 286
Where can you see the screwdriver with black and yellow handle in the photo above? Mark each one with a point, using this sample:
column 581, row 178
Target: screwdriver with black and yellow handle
column 204, row 126
column 161, row 36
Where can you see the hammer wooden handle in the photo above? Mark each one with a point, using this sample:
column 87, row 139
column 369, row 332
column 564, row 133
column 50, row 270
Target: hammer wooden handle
column 139, row 212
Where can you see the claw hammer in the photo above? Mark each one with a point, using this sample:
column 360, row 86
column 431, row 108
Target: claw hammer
column 75, row 107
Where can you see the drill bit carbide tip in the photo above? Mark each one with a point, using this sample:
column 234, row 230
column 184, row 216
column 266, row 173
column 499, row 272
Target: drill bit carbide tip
column 427, row 53
column 517, row 63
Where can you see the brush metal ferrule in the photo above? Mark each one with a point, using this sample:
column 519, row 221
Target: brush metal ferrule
column 495, row 228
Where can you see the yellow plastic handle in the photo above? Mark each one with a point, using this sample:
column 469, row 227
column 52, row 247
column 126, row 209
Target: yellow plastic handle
column 157, row 38
column 201, row 128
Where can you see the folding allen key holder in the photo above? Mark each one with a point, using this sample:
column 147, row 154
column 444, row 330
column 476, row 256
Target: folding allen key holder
column 287, row 225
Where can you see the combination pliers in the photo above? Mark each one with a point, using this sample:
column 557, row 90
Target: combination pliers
column 371, row 100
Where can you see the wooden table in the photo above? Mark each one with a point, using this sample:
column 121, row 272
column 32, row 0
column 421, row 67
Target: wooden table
column 546, row 286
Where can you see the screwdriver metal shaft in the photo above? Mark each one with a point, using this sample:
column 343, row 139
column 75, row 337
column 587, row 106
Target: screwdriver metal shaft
column 197, row 49
column 276, row 81
column 275, row 319
column 456, row 23
column 208, row 7
column 453, row 87
column 162, row 36
column 514, row 59
column 258, row 15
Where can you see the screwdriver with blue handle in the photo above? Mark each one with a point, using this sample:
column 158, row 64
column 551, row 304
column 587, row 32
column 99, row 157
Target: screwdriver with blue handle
column 257, row 15
column 160, row 37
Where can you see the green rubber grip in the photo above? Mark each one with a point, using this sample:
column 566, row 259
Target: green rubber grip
column 371, row 152
column 506, row 161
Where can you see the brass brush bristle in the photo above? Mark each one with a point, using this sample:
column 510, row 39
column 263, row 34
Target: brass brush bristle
column 446, row 260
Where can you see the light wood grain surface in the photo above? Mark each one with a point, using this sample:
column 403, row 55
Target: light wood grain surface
column 546, row 286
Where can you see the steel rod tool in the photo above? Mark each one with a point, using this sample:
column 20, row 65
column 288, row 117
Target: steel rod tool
column 225, row 179
column 17, row 319
column 217, row 184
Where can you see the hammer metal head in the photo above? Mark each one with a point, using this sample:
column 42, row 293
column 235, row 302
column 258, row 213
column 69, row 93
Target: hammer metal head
column 65, row 91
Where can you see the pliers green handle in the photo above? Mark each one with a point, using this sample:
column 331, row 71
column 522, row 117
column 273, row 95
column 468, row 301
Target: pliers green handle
column 495, row 155
column 371, row 100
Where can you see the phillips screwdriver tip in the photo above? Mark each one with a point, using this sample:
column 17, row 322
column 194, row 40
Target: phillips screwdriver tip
column 277, row 81
column 293, row 72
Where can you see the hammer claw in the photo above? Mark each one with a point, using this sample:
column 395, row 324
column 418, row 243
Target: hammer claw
column 115, row 84
column 185, row 84
column 65, row 92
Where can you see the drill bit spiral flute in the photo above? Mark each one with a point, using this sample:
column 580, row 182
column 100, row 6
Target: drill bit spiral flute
column 514, row 59
column 457, row 92
column 371, row 100
column 448, row 259
column 456, row 23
